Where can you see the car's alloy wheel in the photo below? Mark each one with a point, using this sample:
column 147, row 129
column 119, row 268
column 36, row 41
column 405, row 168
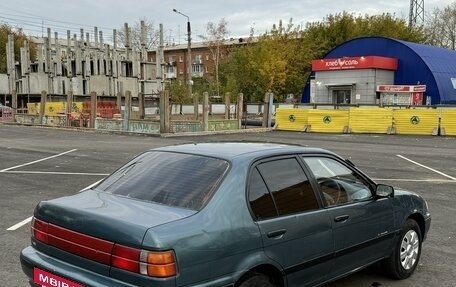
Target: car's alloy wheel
column 410, row 248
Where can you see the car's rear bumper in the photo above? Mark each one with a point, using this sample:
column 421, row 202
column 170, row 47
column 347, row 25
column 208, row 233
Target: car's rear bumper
column 31, row 258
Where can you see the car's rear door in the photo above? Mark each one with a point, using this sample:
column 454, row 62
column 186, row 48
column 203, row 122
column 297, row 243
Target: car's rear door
column 296, row 232
column 362, row 224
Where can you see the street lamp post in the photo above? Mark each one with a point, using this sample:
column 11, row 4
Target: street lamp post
column 189, row 53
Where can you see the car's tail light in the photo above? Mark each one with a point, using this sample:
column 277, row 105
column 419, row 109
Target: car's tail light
column 40, row 230
column 154, row 264
column 160, row 264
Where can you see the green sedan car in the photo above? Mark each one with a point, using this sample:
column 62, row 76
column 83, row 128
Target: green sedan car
column 226, row 214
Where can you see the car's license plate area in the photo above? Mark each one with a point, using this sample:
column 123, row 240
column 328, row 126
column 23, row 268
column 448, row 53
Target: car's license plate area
column 47, row 279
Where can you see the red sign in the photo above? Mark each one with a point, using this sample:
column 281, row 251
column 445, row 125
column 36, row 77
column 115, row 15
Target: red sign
column 417, row 98
column 347, row 63
column 47, row 279
column 401, row 88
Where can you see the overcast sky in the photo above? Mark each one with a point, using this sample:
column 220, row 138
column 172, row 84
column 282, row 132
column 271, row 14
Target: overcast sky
column 60, row 15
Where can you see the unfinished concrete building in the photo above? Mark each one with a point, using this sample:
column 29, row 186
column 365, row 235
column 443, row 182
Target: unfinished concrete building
column 77, row 66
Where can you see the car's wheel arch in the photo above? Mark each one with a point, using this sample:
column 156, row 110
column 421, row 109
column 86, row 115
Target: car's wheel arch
column 260, row 263
column 271, row 271
column 419, row 219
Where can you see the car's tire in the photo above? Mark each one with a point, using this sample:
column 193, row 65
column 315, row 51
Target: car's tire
column 256, row 280
column 407, row 252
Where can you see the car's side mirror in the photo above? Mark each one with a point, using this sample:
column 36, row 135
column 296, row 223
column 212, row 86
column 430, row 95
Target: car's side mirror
column 384, row 190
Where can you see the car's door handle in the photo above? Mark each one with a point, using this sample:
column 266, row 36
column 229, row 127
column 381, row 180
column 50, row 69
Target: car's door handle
column 341, row 218
column 276, row 233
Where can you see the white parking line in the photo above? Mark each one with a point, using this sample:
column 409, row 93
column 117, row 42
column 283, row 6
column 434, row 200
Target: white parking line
column 20, row 224
column 57, row 173
column 415, row 180
column 32, row 162
column 429, row 168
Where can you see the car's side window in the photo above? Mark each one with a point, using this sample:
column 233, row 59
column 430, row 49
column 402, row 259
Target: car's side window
column 260, row 199
column 338, row 184
column 289, row 186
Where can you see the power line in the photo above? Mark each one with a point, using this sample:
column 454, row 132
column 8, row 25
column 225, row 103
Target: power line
column 37, row 25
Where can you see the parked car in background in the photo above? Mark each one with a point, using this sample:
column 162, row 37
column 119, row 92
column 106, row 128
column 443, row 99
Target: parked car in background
column 226, row 214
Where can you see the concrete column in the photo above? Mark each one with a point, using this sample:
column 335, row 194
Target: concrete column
column 195, row 106
column 205, row 111
column 227, row 105
column 78, row 55
column 48, row 62
column 164, row 112
column 93, row 109
column 240, row 109
column 265, row 111
column 58, row 55
column 119, row 101
column 68, row 62
column 127, row 42
column 102, row 58
column 141, row 104
column 127, row 110
column 114, row 54
column 95, row 52
column 14, row 104
column 69, row 108
column 42, row 106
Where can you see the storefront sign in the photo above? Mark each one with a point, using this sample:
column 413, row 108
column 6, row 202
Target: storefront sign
column 401, row 88
column 347, row 63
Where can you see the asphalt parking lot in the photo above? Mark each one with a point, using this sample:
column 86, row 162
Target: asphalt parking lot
column 43, row 163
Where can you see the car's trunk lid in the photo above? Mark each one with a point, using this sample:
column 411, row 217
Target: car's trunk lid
column 109, row 217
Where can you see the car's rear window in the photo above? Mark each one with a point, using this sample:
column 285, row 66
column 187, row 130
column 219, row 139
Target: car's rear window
column 173, row 179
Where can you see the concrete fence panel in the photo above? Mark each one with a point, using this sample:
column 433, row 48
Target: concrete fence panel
column 416, row 121
column 328, row 121
column 370, row 120
column 448, row 122
column 289, row 119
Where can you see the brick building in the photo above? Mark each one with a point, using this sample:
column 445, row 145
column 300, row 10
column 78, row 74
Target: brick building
column 203, row 59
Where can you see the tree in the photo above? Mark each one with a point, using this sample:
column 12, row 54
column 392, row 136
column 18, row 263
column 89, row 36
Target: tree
column 215, row 40
column 151, row 35
column 440, row 27
column 19, row 38
column 280, row 61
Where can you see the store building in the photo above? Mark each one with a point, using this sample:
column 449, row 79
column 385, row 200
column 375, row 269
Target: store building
column 378, row 70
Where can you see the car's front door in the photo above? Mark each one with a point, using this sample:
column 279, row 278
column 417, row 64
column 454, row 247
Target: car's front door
column 362, row 224
column 296, row 232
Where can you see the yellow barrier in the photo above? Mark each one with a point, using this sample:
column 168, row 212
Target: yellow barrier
column 416, row 122
column 448, row 122
column 33, row 108
column 328, row 121
column 53, row 108
column 291, row 119
column 375, row 121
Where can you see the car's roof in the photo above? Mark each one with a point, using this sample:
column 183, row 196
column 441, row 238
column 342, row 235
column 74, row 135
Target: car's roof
column 230, row 150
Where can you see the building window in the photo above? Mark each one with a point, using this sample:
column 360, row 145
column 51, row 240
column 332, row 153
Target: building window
column 198, row 57
column 197, row 69
column 207, row 57
column 172, row 59
column 181, row 59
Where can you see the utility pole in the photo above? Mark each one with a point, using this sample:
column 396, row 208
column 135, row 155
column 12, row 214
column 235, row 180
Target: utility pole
column 189, row 53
